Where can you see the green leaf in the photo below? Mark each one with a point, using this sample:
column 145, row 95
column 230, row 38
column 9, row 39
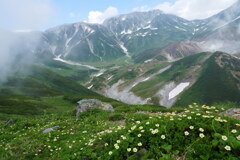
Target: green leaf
column 215, row 143
column 166, row 147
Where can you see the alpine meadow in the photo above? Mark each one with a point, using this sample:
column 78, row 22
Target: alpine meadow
column 143, row 80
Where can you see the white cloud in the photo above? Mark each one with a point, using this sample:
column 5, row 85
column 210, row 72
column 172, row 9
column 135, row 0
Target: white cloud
column 195, row 9
column 99, row 17
column 26, row 14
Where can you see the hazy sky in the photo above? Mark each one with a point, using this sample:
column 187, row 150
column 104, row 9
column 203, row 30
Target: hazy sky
column 42, row 14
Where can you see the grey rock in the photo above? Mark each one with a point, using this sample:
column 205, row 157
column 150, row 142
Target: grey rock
column 87, row 104
column 233, row 112
column 51, row 129
column 10, row 122
column 140, row 154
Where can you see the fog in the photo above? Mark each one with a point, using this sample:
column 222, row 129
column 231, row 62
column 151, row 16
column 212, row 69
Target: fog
column 18, row 41
column 226, row 32
column 17, row 51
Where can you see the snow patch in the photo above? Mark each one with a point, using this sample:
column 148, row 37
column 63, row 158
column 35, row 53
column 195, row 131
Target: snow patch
column 109, row 78
column 90, row 45
column 180, row 28
column 128, row 32
column 176, row 91
column 149, row 60
column 101, row 72
column 125, row 50
column 147, row 27
column 90, row 86
column 58, row 58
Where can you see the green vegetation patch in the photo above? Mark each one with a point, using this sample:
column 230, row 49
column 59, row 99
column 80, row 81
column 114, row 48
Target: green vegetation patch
column 215, row 85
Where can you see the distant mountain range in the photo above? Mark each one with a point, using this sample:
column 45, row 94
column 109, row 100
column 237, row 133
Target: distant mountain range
column 136, row 33
column 144, row 57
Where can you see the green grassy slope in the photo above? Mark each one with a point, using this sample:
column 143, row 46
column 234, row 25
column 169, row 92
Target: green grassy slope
column 37, row 91
column 175, row 73
column 214, row 85
column 197, row 133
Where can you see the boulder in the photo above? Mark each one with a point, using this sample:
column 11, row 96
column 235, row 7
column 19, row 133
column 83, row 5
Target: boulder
column 87, row 104
column 10, row 122
column 139, row 155
column 51, row 129
column 233, row 113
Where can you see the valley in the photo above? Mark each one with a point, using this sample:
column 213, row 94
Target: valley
column 138, row 86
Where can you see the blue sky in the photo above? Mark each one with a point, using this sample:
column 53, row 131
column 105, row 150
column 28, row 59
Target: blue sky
column 78, row 10
column 43, row 14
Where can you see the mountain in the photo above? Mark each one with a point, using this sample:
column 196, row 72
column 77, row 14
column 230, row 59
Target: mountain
column 218, row 82
column 140, row 31
column 124, row 35
column 143, row 36
column 223, row 30
column 171, row 52
column 206, row 78
column 223, row 19
column 139, row 57
column 84, row 42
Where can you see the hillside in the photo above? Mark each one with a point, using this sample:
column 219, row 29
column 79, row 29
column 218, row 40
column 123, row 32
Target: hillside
column 218, row 83
column 39, row 90
column 197, row 132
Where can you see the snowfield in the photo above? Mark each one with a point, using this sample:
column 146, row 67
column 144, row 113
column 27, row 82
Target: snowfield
column 58, row 58
column 176, row 91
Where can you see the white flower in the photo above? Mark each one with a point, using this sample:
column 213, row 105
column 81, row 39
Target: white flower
column 129, row 149
column 133, row 127
column 228, row 148
column 154, row 131
column 201, row 129
column 139, row 135
column 191, row 127
column 163, row 136
column 141, row 127
column 135, row 150
column 139, row 144
column 117, row 147
column 201, row 135
column 157, row 125
column 224, row 138
column 118, row 141
column 186, row 133
column 238, row 137
column 234, row 131
column 110, row 153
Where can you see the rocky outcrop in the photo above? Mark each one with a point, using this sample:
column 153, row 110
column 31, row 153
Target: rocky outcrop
column 87, row 104
column 10, row 122
column 51, row 129
column 233, row 113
